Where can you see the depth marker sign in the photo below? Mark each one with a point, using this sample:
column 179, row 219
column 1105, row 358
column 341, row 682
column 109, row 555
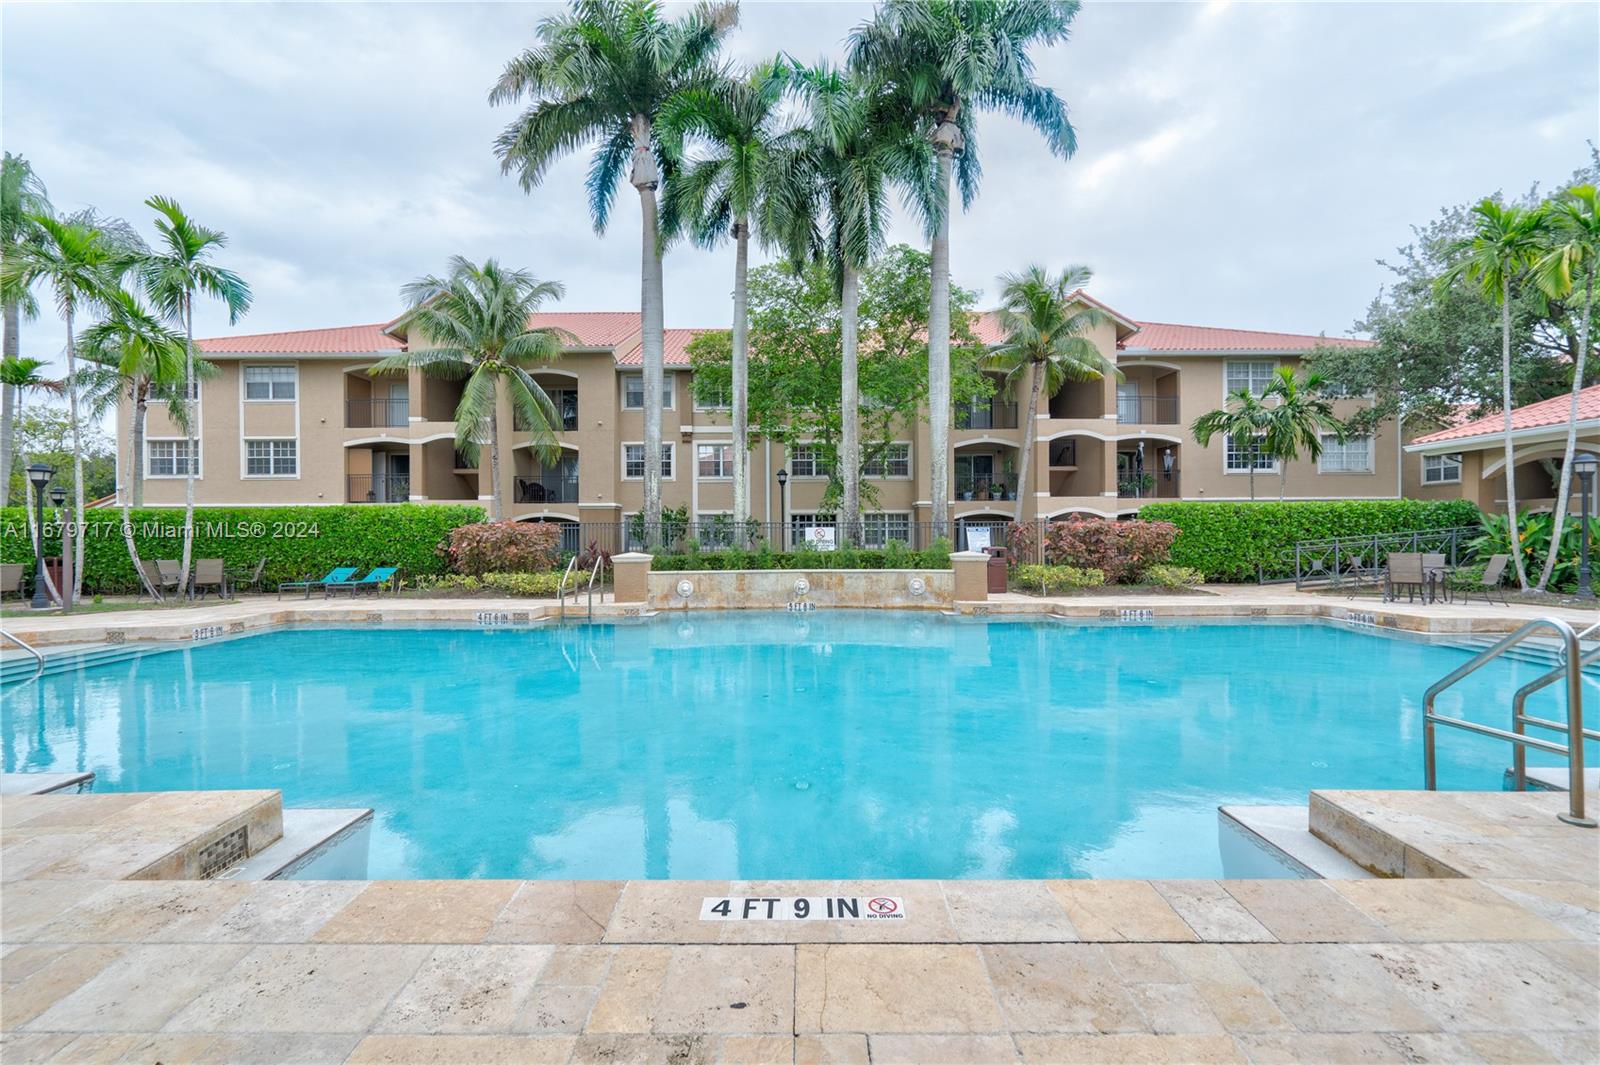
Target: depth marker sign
column 802, row 908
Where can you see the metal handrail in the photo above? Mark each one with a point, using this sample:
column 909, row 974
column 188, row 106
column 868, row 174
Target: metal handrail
column 593, row 572
column 1519, row 718
column 38, row 659
column 1571, row 668
column 561, row 588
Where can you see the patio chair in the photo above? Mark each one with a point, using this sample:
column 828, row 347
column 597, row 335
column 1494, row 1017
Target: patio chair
column 247, row 578
column 372, row 583
column 1437, row 570
column 1490, row 583
column 1405, row 571
column 208, row 574
column 11, row 579
column 155, row 578
column 171, row 571
column 333, row 576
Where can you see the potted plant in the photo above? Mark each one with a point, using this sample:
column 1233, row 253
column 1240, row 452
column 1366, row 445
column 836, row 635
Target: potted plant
column 997, row 491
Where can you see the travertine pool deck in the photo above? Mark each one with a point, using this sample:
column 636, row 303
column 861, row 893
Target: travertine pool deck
column 1451, row 969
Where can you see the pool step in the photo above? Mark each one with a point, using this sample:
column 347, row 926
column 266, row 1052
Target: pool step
column 1286, row 831
column 45, row 783
column 1554, row 778
column 307, row 836
column 1540, row 653
column 18, row 667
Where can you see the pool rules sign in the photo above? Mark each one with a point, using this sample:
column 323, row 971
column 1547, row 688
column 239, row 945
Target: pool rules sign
column 802, row 908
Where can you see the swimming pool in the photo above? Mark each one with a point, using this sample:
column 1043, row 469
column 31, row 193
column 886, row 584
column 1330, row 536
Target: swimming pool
column 759, row 745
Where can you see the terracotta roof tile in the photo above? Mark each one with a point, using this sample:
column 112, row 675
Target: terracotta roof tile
column 1538, row 415
column 1164, row 336
column 675, row 349
column 349, row 338
column 598, row 329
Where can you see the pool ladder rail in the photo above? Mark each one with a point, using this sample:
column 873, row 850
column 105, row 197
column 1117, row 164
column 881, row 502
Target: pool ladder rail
column 38, row 659
column 561, row 589
column 1573, row 661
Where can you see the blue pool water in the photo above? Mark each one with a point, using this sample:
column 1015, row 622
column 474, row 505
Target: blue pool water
column 836, row 744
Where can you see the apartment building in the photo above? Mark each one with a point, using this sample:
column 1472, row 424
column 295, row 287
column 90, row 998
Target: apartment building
column 296, row 418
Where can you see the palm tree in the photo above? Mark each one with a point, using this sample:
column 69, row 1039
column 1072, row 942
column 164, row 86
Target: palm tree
column 946, row 59
column 1505, row 242
column 77, row 261
column 857, row 151
column 1047, row 340
column 22, row 196
column 1574, row 253
column 172, row 274
column 1244, row 417
column 1298, row 420
column 603, row 71
column 740, row 179
column 476, row 320
column 132, row 354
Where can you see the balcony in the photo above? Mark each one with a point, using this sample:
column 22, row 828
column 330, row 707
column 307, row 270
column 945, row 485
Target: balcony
column 553, row 487
column 1148, row 486
column 392, row 413
column 1142, row 409
column 364, row 488
column 986, row 414
column 565, row 400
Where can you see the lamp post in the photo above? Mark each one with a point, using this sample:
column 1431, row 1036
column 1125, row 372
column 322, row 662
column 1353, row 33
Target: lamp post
column 783, row 519
column 1584, row 467
column 39, row 475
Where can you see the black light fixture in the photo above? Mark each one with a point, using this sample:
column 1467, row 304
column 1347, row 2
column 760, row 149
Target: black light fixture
column 58, row 496
column 39, row 475
column 783, row 518
column 1584, row 466
column 1166, row 463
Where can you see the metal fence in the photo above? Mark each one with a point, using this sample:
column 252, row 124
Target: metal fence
column 377, row 413
column 799, row 534
column 363, row 488
column 1356, row 558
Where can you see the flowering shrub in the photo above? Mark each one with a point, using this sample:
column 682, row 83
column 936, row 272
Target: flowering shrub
column 1052, row 579
column 503, row 547
column 1022, row 539
column 1122, row 550
column 535, row 585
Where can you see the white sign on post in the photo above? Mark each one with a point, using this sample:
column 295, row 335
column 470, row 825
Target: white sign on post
column 979, row 537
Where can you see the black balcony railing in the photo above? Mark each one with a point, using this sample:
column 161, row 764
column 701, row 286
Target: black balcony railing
column 364, row 488
column 377, row 413
column 1147, row 410
column 1148, row 485
column 565, row 401
column 547, row 488
column 987, row 414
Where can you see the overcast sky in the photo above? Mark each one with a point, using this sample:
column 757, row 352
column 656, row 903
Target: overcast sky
column 1239, row 164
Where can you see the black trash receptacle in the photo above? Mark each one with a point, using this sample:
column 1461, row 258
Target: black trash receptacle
column 999, row 566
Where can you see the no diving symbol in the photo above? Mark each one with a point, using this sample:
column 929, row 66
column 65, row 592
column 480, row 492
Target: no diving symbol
column 882, row 907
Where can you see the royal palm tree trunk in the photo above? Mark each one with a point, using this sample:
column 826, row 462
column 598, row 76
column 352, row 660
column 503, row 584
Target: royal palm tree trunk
column 1030, row 436
column 939, row 355
column 849, row 406
column 1511, row 467
column 130, row 498
column 741, row 376
column 193, row 459
column 651, row 311
column 72, row 578
column 8, row 403
column 1565, row 488
column 496, row 510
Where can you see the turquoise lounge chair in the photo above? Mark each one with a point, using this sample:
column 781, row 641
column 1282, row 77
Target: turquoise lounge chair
column 334, row 576
column 373, row 583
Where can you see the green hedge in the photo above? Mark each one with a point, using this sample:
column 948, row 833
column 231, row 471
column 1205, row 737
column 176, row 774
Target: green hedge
column 896, row 556
column 1238, row 541
column 295, row 540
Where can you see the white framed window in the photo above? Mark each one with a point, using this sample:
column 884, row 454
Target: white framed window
column 633, row 391
column 893, row 461
column 809, row 460
column 1441, row 469
column 712, row 397
column 271, row 458
column 170, row 458
column 713, row 461
column 878, row 528
column 1240, row 457
column 800, row 526
column 1254, row 374
column 633, row 462
column 269, row 383
column 1353, row 455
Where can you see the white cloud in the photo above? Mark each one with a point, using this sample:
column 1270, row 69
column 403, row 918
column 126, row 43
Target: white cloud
column 1239, row 164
